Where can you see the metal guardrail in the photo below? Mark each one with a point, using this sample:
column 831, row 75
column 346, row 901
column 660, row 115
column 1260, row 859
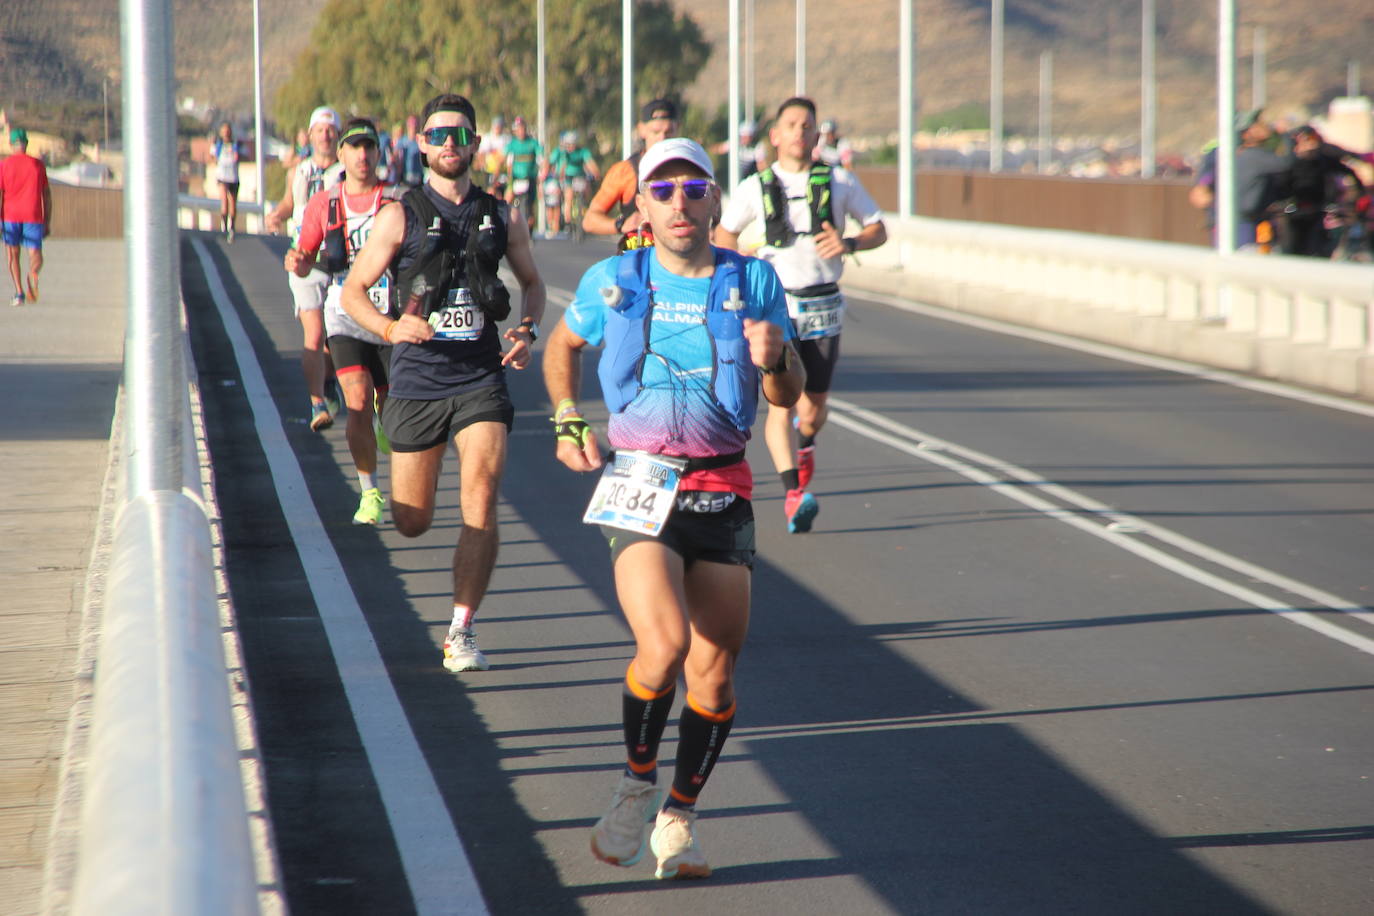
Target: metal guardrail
column 164, row 823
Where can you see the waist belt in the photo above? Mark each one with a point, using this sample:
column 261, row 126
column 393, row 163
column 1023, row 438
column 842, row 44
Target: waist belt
column 709, row 463
column 812, row 292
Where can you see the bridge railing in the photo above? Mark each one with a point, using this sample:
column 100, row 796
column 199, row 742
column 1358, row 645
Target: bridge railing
column 1302, row 320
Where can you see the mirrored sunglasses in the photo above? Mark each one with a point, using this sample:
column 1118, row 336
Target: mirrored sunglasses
column 693, row 188
column 438, row 136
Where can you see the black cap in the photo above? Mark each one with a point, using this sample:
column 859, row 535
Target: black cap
column 659, row 108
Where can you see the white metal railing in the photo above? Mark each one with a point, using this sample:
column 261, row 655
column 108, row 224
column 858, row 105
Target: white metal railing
column 1270, row 299
column 164, row 822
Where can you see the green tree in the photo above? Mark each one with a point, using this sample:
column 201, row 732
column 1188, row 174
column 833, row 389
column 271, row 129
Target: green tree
column 385, row 60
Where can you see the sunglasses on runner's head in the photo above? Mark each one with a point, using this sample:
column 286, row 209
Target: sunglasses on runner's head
column 662, row 191
column 438, row 136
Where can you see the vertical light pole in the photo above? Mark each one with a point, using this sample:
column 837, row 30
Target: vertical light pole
column 627, row 60
column 1259, row 90
column 732, row 160
column 906, row 66
column 1226, row 127
column 1046, row 109
column 542, row 112
column 1148, row 113
column 257, row 108
column 749, row 44
column 801, row 48
column 995, row 103
column 105, row 150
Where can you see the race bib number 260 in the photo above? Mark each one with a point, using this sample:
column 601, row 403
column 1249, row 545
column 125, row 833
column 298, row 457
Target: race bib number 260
column 459, row 319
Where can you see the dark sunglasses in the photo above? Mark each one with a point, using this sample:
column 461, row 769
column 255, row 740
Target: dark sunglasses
column 438, row 136
column 662, row 191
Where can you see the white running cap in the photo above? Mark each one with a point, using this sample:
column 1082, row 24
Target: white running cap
column 324, row 115
column 671, row 149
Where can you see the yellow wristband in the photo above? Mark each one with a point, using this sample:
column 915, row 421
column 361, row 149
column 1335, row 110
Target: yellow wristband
column 386, row 335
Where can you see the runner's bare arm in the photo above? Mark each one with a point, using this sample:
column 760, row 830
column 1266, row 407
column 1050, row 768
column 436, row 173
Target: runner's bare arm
column 766, row 348
column 725, row 239
column 563, row 379
column 283, row 208
column 520, row 257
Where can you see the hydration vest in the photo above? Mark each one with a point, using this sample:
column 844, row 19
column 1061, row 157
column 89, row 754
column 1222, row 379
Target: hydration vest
column 424, row 284
column 336, row 252
column 627, row 209
column 630, row 312
column 777, row 227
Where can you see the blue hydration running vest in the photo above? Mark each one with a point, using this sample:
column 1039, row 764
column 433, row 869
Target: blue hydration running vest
column 734, row 380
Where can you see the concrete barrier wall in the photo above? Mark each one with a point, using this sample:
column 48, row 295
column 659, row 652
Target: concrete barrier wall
column 1297, row 320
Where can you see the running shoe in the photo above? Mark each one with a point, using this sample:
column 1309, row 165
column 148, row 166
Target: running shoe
column 33, row 289
column 320, row 417
column 674, row 842
column 801, row 508
column 370, row 508
column 230, row 235
column 461, row 652
column 618, row 837
column 18, row 300
column 806, row 466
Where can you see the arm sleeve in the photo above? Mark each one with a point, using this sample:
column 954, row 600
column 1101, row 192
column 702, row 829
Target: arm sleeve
column 312, row 223
column 586, row 316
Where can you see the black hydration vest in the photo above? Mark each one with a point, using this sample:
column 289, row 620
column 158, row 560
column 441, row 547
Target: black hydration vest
column 777, row 227
column 424, row 284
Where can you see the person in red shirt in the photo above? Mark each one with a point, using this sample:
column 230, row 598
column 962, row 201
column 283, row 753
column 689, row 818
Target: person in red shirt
column 25, row 211
column 334, row 226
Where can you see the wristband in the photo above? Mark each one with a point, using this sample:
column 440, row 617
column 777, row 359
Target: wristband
column 574, row 431
column 851, row 244
column 565, row 406
column 386, row 335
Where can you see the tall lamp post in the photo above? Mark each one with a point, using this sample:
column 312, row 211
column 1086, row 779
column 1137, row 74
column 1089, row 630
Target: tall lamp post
column 257, row 107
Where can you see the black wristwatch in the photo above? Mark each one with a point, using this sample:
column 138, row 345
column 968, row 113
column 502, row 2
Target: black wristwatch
column 851, row 244
column 529, row 324
column 783, row 364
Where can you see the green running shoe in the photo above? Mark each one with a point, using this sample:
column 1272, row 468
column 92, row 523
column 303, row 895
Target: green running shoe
column 370, row 508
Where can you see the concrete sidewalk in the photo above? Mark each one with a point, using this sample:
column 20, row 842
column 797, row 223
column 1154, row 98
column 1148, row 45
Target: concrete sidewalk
column 60, row 365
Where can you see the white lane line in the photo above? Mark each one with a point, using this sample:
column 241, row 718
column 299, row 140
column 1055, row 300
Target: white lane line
column 1108, row 351
column 437, row 868
column 1115, row 530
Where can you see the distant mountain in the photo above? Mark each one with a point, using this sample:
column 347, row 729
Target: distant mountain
column 55, row 55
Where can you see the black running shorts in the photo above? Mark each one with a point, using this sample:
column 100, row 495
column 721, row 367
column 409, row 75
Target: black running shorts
column 722, row 536
column 352, row 355
column 414, row 426
column 819, row 357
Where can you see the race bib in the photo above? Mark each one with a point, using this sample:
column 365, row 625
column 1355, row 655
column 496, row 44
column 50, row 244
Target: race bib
column 636, row 492
column 377, row 292
column 817, row 316
column 521, row 185
column 459, row 319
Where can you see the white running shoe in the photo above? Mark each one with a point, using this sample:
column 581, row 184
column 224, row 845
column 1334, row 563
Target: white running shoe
column 461, row 652
column 674, row 842
column 618, row 837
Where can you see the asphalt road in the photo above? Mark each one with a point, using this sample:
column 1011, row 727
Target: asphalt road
column 1072, row 635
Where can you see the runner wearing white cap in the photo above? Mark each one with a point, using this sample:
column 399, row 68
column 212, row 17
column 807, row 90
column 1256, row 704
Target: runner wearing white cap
column 317, row 173
column 690, row 333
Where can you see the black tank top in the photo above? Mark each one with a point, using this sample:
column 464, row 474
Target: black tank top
column 441, row 368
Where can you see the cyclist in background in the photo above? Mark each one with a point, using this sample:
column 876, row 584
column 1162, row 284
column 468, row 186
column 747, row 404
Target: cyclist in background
column 522, row 164
column 572, row 164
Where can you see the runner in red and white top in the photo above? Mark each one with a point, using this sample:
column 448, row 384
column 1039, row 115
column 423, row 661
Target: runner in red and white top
column 334, row 225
